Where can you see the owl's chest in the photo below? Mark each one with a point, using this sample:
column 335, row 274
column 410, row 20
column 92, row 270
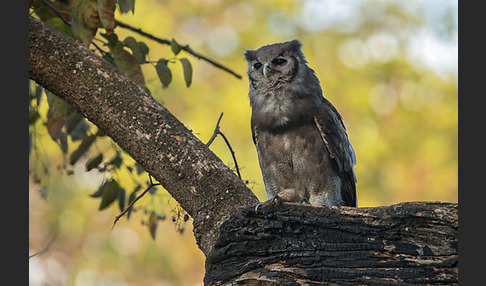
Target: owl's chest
column 293, row 148
column 281, row 107
column 276, row 107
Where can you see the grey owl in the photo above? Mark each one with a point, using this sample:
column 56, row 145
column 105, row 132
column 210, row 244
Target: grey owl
column 302, row 145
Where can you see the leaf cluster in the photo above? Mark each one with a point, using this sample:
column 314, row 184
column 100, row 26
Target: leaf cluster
column 81, row 19
column 93, row 23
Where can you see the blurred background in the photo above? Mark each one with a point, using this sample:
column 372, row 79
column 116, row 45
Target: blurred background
column 389, row 67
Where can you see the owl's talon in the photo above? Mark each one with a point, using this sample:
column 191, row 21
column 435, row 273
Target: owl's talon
column 273, row 201
column 275, row 198
column 256, row 207
column 304, row 200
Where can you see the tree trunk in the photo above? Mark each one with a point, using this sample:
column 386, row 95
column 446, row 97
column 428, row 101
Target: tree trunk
column 412, row 243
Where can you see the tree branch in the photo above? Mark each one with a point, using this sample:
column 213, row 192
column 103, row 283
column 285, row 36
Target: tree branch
column 185, row 48
column 411, row 243
column 151, row 185
column 48, row 245
column 207, row 189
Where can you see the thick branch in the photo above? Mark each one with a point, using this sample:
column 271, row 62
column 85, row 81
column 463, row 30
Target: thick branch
column 206, row 188
column 413, row 243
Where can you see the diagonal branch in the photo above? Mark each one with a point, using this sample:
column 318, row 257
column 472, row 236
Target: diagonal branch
column 185, row 48
column 208, row 190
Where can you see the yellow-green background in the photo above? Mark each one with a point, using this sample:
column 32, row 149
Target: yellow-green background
column 390, row 68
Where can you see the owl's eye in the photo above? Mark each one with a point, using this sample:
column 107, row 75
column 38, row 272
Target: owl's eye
column 257, row 65
column 279, row 61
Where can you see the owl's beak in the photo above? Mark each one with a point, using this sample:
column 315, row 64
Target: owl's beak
column 266, row 71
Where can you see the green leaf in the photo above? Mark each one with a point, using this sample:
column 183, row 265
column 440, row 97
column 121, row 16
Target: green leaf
column 116, row 161
column 33, row 116
column 101, row 189
column 164, row 73
column 85, row 20
column 126, row 6
column 63, row 141
column 94, row 162
column 39, row 90
column 76, row 126
column 153, row 223
column 121, row 199
column 143, row 47
column 59, row 24
column 176, row 48
column 153, row 190
column 128, row 64
column 82, row 148
column 54, row 124
column 57, row 105
column 132, row 197
column 100, row 133
column 35, row 91
column 138, row 51
column 112, row 39
column 130, row 42
column 72, row 120
column 106, row 10
column 109, row 194
column 139, row 168
column 187, row 68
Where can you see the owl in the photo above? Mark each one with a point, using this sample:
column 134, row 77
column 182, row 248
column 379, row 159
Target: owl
column 302, row 145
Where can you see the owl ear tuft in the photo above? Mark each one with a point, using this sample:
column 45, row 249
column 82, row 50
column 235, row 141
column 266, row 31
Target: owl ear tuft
column 250, row 55
column 295, row 45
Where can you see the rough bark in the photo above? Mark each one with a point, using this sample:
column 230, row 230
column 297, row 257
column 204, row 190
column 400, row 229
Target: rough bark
column 205, row 187
column 413, row 243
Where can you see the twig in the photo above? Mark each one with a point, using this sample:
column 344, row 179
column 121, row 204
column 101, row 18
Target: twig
column 217, row 132
column 134, row 201
column 232, row 154
column 46, row 248
column 102, row 52
column 185, row 48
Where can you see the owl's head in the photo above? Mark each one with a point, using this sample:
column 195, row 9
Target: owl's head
column 275, row 63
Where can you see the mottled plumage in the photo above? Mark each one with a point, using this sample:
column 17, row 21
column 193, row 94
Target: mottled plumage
column 302, row 145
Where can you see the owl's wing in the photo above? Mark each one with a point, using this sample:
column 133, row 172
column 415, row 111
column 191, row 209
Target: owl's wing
column 333, row 133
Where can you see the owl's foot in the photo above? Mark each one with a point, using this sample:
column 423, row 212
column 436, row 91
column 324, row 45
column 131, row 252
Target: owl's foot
column 273, row 201
column 304, row 200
